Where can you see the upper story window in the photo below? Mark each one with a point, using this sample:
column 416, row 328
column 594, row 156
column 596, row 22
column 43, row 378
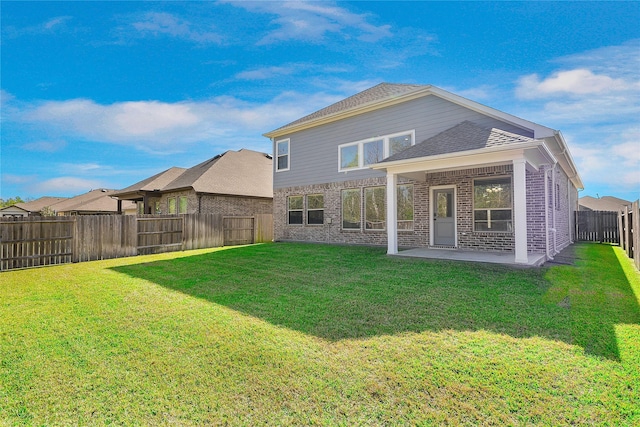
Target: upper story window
column 360, row 154
column 282, row 155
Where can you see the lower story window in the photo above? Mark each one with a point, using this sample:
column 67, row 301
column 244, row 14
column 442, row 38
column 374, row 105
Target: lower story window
column 351, row 215
column 374, row 208
column 171, row 205
column 295, row 205
column 315, row 209
column 182, row 204
column 492, row 208
column 405, row 206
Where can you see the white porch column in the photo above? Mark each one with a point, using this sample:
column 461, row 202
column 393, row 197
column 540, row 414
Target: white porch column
column 392, row 214
column 520, row 210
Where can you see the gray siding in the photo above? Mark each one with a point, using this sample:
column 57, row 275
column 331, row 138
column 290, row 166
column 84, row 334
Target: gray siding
column 314, row 152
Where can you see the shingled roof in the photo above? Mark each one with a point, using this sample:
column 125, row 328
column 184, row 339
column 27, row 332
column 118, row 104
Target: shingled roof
column 41, row 203
column 380, row 92
column 155, row 182
column 461, row 137
column 99, row 200
column 239, row 173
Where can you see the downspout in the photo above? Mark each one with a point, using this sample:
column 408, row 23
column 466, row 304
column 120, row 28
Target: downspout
column 546, row 212
column 571, row 213
column 553, row 209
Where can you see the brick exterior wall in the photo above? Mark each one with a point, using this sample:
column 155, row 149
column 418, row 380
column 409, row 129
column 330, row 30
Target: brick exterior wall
column 216, row 203
column 331, row 231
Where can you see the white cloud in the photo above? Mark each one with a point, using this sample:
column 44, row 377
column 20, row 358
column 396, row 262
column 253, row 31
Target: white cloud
column 610, row 156
column 45, row 146
column 65, row 185
column 161, row 127
column 571, row 82
column 314, row 21
column 161, row 23
column 266, row 73
column 53, row 25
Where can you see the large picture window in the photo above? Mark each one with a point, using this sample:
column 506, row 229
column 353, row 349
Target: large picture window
column 405, row 206
column 351, row 215
column 282, row 155
column 375, row 213
column 361, row 154
column 295, row 209
column 492, row 206
column 315, row 209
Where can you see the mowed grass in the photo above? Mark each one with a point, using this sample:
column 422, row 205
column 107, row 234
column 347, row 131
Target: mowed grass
column 301, row 334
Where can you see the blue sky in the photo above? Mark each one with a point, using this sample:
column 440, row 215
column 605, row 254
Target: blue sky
column 104, row 94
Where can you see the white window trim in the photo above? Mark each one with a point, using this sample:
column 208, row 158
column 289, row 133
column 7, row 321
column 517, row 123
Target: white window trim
column 473, row 203
column 276, row 156
column 360, row 144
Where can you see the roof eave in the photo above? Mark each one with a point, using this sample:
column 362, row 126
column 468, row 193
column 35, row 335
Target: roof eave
column 538, row 131
column 515, row 150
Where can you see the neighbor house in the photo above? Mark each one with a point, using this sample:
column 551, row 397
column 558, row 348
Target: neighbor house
column 235, row 183
column 416, row 166
column 95, row 202
column 31, row 208
column 604, row 203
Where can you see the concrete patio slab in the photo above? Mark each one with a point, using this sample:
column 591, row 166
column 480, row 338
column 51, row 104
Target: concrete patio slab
column 536, row 259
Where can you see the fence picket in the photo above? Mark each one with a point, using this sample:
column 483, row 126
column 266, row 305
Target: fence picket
column 38, row 241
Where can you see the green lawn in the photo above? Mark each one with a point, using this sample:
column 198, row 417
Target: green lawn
column 300, row 334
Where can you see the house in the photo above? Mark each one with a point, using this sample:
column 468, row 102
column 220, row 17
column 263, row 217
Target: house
column 31, row 208
column 94, row 202
column 604, row 203
column 235, row 183
column 146, row 193
column 415, row 166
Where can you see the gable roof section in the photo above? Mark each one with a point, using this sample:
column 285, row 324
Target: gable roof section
column 465, row 136
column 99, row 200
column 604, row 203
column 155, row 182
column 372, row 95
column 387, row 94
column 238, row 173
column 41, row 203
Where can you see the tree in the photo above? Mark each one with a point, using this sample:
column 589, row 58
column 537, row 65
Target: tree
column 10, row 202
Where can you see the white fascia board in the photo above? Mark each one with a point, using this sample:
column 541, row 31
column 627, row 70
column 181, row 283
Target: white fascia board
column 539, row 131
column 535, row 154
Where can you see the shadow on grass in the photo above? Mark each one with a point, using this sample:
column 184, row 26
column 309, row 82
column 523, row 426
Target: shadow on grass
column 341, row 292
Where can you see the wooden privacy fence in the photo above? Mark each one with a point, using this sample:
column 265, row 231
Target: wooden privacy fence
column 629, row 225
column 38, row 241
column 597, row 226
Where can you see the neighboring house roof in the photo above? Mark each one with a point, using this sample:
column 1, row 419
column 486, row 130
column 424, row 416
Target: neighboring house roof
column 462, row 137
column 153, row 183
column 240, row 173
column 99, row 200
column 604, row 203
column 41, row 203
